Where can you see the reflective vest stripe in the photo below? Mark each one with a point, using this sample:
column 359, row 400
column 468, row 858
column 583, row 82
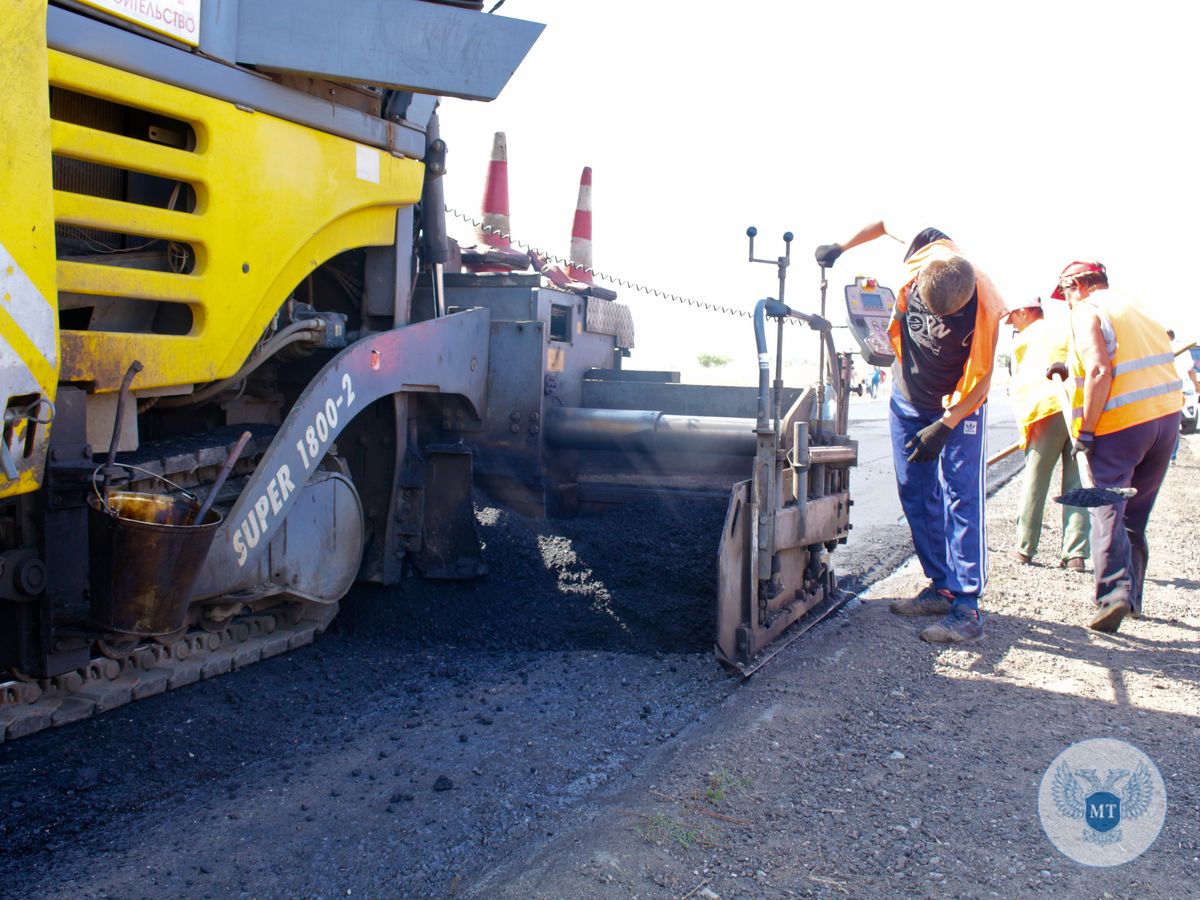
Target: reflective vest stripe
column 1143, row 394
column 1134, row 396
column 1145, row 362
column 1145, row 384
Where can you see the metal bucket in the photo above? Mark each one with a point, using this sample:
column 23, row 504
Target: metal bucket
column 144, row 560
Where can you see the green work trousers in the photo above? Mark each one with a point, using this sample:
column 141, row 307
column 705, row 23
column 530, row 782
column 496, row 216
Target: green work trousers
column 1049, row 443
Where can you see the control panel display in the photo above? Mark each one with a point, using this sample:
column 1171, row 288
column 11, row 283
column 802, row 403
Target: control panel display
column 868, row 310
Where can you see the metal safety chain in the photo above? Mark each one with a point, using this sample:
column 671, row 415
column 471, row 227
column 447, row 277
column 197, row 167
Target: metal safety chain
column 604, row 276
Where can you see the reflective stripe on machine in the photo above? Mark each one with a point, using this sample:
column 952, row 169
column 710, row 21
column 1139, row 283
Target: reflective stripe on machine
column 27, row 319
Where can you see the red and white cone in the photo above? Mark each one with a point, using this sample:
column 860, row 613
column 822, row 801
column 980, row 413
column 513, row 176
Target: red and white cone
column 495, row 229
column 578, row 277
column 494, row 251
column 581, row 232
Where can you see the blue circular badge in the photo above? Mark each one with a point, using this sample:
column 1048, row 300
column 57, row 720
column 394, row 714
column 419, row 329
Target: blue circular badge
column 1102, row 802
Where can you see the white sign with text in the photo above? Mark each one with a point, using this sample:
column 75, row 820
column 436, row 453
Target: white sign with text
column 179, row 19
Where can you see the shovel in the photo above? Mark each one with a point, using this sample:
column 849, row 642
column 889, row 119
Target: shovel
column 226, row 468
column 1089, row 495
column 1003, row 454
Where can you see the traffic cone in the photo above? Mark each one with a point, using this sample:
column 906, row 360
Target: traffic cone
column 581, row 232
column 496, row 226
column 494, row 251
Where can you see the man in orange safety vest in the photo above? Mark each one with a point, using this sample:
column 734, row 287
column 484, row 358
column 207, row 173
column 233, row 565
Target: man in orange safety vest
column 1127, row 404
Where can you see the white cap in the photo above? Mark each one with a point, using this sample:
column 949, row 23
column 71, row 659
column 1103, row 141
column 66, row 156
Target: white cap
column 1035, row 303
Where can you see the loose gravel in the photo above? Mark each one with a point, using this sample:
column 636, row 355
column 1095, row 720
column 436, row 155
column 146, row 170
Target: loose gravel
column 865, row 763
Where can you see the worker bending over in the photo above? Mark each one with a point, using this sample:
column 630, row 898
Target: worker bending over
column 943, row 330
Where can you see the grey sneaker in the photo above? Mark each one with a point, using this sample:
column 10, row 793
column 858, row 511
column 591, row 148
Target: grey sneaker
column 960, row 626
column 930, row 602
column 1108, row 617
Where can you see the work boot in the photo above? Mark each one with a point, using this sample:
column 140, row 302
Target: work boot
column 1074, row 564
column 930, row 602
column 1020, row 557
column 961, row 625
column 1108, row 617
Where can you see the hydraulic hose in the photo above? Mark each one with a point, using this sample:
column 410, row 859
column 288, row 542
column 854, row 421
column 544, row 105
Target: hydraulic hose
column 835, row 371
column 297, row 331
column 764, row 367
column 435, row 247
column 769, row 306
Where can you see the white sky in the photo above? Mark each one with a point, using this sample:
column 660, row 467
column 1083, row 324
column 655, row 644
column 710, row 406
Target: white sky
column 1032, row 133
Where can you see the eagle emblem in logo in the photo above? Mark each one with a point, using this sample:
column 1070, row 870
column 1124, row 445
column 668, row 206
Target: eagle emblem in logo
column 1102, row 802
column 1081, row 794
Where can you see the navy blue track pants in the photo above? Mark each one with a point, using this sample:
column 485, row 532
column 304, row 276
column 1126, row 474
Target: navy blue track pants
column 943, row 500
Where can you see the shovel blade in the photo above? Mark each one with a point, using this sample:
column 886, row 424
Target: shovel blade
column 1095, row 496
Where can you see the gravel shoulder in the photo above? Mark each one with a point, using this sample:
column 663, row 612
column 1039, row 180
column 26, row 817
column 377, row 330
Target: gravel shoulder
column 865, row 763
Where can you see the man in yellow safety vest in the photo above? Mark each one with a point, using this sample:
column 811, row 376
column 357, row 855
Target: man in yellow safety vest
column 1045, row 439
column 1127, row 403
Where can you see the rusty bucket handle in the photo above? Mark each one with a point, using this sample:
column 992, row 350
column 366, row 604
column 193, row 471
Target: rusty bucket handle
column 103, row 497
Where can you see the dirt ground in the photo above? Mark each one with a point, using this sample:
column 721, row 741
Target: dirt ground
column 863, row 762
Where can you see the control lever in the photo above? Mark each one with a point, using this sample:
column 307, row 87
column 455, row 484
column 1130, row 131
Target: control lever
column 782, row 262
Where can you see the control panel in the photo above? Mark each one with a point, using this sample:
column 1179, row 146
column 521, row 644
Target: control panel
column 869, row 309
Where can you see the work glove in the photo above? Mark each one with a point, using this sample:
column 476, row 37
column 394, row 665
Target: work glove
column 1058, row 369
column 1083, row 444
column 827, row 255
column 927, row 443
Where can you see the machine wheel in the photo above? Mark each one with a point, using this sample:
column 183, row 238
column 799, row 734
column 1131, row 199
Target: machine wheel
column 213, row 626
column 173, row 638
column 117, row 646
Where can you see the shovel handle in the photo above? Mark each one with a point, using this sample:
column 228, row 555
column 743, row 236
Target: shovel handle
column 226, row 468
column 1001, row 454
column 1068, row 411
